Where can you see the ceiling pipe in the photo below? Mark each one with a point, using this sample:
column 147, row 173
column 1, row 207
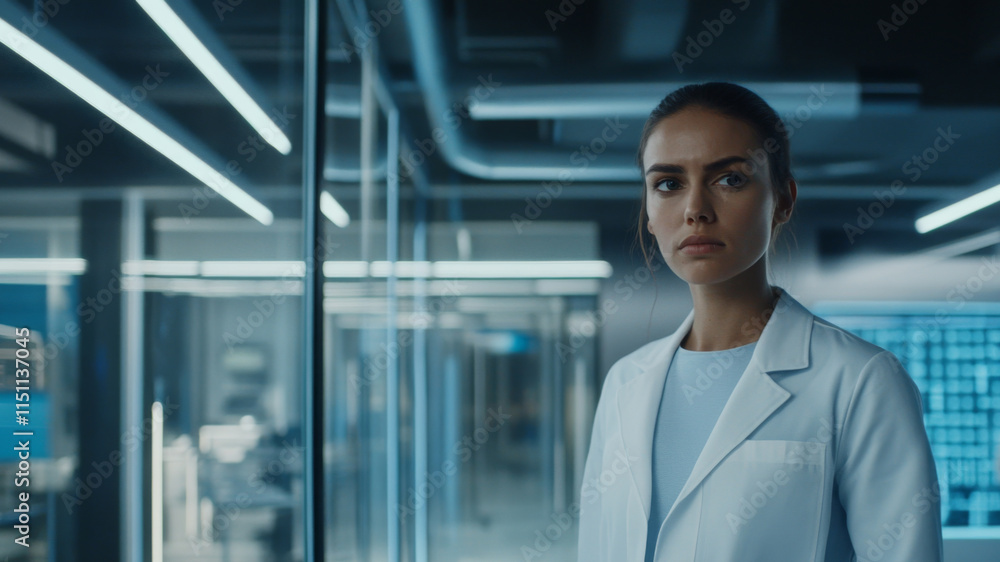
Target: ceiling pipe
column 339, row 167
column 827, row 99
column 834, row 100
column 344, row 101
column 479, row 159
column 835, row 97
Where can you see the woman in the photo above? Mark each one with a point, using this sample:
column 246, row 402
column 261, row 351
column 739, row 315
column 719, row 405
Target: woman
column 757, row 431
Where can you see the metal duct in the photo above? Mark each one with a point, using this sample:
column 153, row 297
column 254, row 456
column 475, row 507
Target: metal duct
column 480, row 159
column 841, row 99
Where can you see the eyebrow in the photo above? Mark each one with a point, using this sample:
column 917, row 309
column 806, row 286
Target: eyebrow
column 710, row 167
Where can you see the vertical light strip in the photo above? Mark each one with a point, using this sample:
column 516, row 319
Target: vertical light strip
column 156, row 481
column 191, row 527
column 129, row 119
column 420, row 419
column 581, row 427
column 209, row 65
column 132, row 377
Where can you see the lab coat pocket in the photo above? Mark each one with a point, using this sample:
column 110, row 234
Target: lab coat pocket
column 764, row 501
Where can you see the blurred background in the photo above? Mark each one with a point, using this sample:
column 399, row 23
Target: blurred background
column 341, row 279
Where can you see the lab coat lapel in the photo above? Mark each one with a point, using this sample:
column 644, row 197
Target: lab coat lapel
column 783, row 345
column 638, row 403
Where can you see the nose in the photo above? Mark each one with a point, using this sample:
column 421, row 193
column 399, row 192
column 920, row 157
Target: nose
column 698, row 208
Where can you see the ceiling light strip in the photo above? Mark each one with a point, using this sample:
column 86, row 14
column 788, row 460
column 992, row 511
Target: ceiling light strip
column 196, row 51
column 106, row 103
column 958, row 209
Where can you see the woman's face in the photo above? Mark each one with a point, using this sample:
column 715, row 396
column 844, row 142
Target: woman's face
column 700, row 180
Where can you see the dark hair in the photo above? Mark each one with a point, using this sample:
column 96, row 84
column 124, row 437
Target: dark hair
column 733, row 101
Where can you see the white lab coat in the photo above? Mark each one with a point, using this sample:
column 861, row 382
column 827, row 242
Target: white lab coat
column 820, row 451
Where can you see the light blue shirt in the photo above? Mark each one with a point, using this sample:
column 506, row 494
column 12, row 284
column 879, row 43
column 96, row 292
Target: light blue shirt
column 698, row 386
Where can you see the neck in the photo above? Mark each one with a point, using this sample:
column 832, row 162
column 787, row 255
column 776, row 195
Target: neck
column 729, row 315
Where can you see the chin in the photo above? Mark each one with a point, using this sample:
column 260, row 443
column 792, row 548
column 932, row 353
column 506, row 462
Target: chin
column 704, row 280
column 705, row 273
column 703, row 277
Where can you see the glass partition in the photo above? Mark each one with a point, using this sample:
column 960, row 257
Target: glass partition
column 151, row 282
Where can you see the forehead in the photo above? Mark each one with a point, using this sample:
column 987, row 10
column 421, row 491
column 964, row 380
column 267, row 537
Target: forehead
column 694, row 136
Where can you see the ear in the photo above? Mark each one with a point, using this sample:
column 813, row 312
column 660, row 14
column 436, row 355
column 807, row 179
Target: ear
column 783, row 210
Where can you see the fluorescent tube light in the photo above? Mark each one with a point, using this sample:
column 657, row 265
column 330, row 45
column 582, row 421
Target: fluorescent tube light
column 332, row 210
column 409, row 269
column 958, row 209
column 253, row 268
column 209, row 65
column 345, row 269
column 522, row 269
column 72, row 266
column 156, row 480
column 570, row 269
column 103, row 101
column 963, row 246
column 164, row 268
column 473, row 269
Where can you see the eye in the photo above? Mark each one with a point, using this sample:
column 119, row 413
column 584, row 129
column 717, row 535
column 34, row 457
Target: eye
column 736, row 180
column 671, row 184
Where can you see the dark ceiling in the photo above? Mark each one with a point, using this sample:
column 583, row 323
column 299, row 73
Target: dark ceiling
column 566, row 66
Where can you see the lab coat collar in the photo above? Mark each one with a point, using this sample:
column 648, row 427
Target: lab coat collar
column 783, row 345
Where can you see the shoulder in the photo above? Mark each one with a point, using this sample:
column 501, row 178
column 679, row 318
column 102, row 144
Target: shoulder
column 856, row 361
column 850, row 347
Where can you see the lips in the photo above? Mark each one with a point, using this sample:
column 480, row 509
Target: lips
column 690, row 240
